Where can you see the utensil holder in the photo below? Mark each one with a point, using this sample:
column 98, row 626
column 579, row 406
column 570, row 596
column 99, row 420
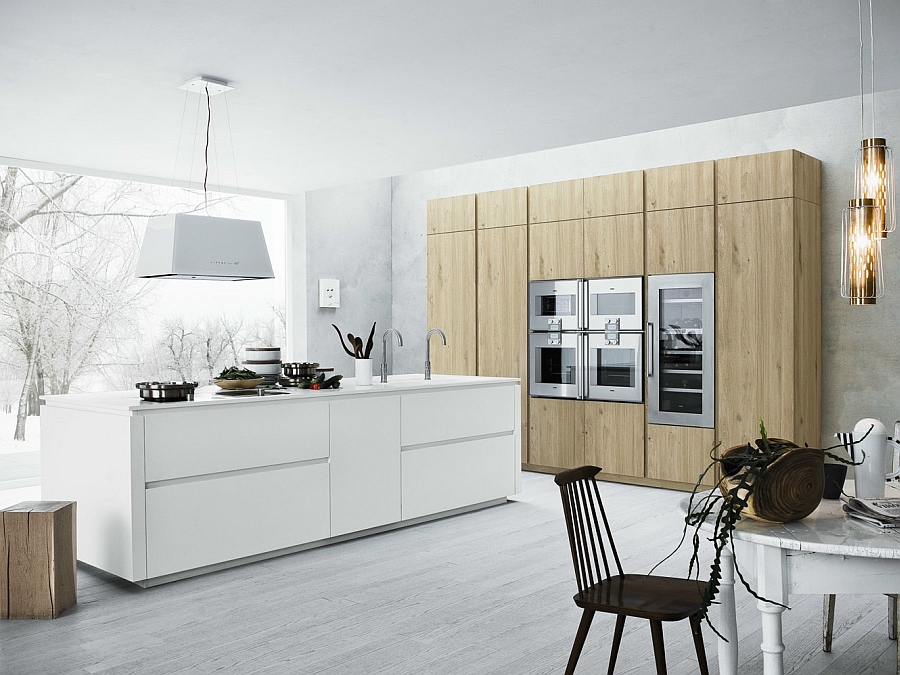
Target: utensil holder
column 363, row 372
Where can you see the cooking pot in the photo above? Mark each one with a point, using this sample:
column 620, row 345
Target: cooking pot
column 295, row 369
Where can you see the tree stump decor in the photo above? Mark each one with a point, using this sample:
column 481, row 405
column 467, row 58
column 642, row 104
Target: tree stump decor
column 789, row 489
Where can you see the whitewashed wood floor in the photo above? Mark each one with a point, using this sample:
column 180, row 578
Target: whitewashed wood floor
column 485, row 592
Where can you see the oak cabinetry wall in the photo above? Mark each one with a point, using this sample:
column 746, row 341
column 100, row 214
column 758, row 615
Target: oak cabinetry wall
column 753, row 221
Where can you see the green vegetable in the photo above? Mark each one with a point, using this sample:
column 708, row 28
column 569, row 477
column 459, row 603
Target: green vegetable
column 235, row 373
column 318, row 379
column 333, row 382
column 303, row 384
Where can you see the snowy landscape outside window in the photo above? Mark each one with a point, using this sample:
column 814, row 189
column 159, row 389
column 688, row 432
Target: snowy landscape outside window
column 73, row 317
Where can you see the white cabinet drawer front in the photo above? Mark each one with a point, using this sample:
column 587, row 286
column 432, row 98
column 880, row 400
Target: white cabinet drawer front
column 446, row 415
column 228, row 438
column 365, row 463
column 209, row 521
column 444, row 477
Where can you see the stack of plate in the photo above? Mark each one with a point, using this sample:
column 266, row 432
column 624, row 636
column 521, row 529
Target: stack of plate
column 264, row 361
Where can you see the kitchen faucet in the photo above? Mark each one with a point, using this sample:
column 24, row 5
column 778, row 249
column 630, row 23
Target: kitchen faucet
column 428, row 349
column 384, row 350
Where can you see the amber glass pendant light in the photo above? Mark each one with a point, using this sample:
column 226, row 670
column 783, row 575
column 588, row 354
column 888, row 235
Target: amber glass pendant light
column 862, row 278
column 875, row 180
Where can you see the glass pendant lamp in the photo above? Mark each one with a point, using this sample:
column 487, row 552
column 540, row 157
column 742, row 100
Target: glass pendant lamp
column 875, row 180
column 862, row 279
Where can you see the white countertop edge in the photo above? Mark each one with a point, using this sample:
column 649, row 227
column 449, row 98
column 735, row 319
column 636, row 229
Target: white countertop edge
column 129, row 402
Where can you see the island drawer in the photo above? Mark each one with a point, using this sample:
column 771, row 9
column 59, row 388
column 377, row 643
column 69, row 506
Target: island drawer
column 202, row 522
column 179, row 443
column 443, row 477
column 438, row 416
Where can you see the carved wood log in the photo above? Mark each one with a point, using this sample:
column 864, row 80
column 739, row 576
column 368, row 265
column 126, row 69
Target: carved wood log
column 790, row 488
column 37, row 568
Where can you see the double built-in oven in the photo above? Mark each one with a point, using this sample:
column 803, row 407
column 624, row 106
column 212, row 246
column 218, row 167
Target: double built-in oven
column 587, row 340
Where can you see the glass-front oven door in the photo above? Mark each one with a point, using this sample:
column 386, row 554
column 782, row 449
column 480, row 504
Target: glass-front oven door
column 681, row 332
column 615, row 303
column 615, row 370
column 554, row 365
column 554, row 305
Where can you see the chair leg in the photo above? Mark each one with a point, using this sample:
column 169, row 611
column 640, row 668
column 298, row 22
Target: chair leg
column 659, row 648
column 892, row 616
column 580, row 636
column 698, row 644
column 827, row 622
column 617, row 640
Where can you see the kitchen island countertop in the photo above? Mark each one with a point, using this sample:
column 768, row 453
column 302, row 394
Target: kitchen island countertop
column 128, row 402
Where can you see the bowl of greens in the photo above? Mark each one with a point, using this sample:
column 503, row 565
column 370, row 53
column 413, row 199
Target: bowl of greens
column 238, row 378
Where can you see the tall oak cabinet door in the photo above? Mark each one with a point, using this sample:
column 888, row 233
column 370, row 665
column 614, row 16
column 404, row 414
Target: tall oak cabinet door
column 768, row 333
column 502, row 309
column 556, row 433
column 614, row 246
column 452, row 301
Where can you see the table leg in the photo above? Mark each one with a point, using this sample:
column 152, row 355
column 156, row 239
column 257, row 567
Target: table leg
column 772, row 585
column 728, row 651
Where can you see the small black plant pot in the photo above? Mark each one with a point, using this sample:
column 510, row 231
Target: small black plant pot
column 834, row 480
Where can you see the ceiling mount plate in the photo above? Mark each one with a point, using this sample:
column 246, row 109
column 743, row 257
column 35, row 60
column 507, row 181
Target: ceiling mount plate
column 198, row 84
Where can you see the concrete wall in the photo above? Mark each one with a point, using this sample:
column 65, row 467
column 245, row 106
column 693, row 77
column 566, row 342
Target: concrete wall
column 861, row 345
column 348, row 237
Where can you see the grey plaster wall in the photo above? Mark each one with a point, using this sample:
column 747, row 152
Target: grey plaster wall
column 861, row 345
column 348, row 237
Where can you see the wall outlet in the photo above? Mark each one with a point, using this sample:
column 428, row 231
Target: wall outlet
column 329, row 293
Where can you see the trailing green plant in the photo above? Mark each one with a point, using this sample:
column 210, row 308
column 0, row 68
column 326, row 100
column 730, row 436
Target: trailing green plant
column 722, row 508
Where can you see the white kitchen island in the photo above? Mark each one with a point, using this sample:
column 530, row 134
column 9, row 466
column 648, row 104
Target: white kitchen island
column 171, row 490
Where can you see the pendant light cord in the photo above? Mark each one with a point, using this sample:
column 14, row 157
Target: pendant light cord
column 862, row 100
column 872, row 61
column 206, row 151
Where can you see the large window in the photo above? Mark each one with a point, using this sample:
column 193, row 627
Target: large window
column 73, row 318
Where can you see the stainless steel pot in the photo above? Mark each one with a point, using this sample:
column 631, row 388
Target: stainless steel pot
column 162, row 392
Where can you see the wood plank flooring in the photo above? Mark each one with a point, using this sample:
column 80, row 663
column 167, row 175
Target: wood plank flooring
column 485, row 592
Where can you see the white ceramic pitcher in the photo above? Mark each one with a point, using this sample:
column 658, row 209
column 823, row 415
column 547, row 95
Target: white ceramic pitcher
column 869, row 476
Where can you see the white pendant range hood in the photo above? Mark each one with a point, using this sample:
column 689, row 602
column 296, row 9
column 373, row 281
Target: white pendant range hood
column 186, row 246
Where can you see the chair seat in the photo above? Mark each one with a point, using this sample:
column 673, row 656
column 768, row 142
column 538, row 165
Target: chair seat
column 645, row 596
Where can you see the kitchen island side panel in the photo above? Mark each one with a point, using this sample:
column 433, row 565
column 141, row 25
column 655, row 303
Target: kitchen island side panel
column 97, row 460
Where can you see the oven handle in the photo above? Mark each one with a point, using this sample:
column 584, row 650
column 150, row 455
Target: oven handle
column 650, row 353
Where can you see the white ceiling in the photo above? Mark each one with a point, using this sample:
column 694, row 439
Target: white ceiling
column 332, row 92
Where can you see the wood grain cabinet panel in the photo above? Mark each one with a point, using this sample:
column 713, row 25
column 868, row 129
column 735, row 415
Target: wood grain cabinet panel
column 614, row 246
column 503, row 309
column 556, row 201
column 681, row 241
column 681, row 186
column 614, row 195
column 771, row 175
column 614, row 437
column 556, row 250
column 501, row 208
column 452, row 301
column 556, row 433
column 768, row 332
column 679, row 454
column 451, row 214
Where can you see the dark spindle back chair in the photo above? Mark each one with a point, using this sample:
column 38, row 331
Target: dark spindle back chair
column 604, row 587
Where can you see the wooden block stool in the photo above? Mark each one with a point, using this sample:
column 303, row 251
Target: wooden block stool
column 37, row 568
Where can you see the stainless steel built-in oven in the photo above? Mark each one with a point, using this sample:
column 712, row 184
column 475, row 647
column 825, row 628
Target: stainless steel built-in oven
column 554, row 364
column 555, row 305
column 615, row 370
column 681, row 350
column 586, row 339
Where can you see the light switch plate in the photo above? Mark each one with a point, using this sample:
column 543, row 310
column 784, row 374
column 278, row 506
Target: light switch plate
column 329, row 293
